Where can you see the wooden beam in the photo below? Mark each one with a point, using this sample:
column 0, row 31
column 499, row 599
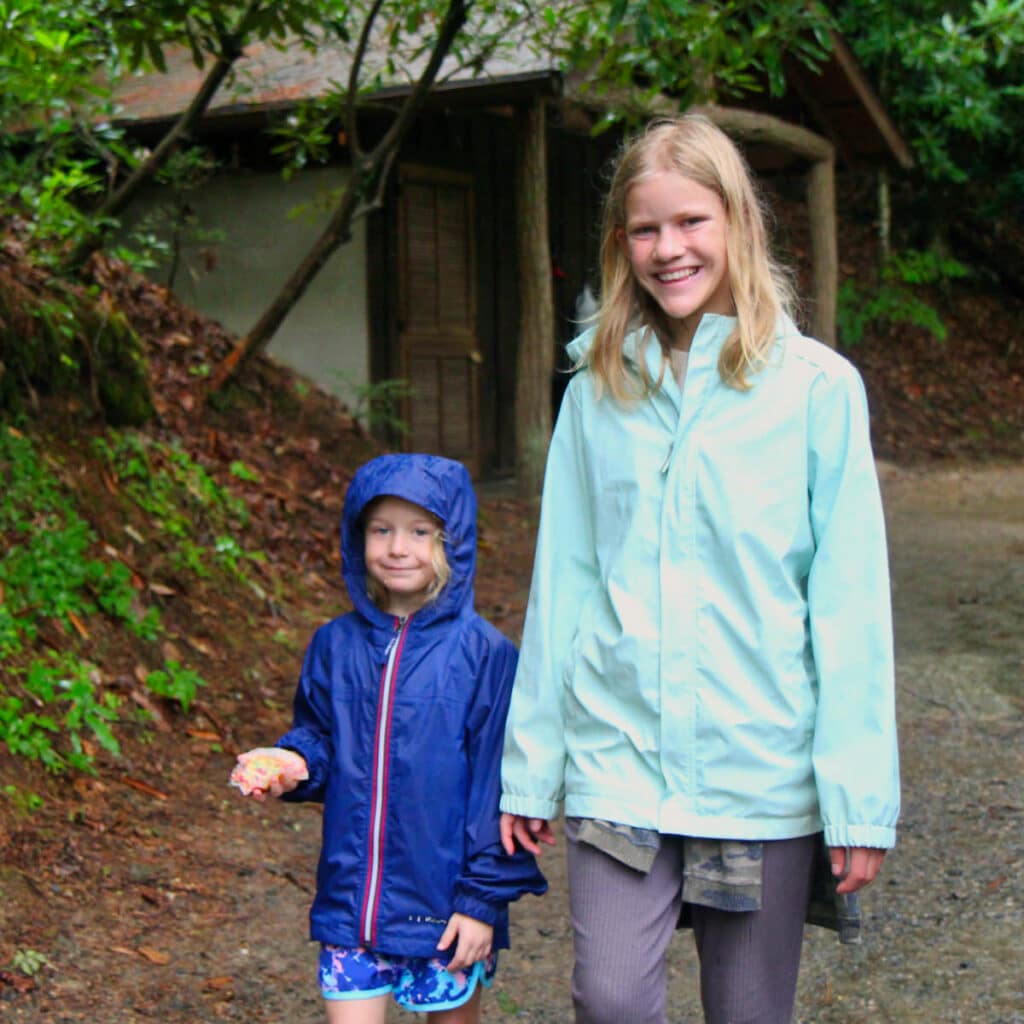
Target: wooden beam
column 749, row 125
column 851, row 69
column 535, row 359
column 752, row 126
column 821, row 209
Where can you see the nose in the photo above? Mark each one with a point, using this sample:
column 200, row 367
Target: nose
column 398, row 542
column 668, row 244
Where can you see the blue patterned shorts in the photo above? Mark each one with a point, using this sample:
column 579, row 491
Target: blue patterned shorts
column 417, row 983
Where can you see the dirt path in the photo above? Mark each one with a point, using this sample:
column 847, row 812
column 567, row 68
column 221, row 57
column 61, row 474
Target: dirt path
column 207, row 921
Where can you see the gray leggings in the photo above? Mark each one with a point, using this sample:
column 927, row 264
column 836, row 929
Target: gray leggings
column 623, row 921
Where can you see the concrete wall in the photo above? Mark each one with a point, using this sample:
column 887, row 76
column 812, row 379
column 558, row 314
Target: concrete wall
column 232, row 279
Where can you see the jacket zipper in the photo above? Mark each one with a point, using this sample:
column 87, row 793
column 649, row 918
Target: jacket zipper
column 375, row 857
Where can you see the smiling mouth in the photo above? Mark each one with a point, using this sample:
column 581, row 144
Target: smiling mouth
column 671, row 276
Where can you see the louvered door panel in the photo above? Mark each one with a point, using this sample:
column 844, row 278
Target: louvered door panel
column 438, row 340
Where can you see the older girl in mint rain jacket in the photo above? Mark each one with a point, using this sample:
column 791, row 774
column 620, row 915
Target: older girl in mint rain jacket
column 707, row 653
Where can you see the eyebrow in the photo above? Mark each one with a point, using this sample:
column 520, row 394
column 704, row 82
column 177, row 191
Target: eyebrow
column 382, row 521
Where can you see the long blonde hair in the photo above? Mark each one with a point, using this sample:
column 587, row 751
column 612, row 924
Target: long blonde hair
column 697, row 149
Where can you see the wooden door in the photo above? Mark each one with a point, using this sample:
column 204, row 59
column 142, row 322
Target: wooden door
column 437, row 323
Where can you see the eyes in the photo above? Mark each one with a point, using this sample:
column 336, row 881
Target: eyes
column 645, row 230
column 382, row 530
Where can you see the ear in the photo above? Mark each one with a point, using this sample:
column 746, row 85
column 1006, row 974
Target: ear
column 622, row 241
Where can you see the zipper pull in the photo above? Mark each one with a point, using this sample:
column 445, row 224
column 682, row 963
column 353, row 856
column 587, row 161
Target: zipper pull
column 399, row 623
column 668, row 458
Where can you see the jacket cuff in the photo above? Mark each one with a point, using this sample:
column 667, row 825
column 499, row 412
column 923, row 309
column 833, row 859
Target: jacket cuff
column 470, row 906
column 879, row 837
column 529, row 807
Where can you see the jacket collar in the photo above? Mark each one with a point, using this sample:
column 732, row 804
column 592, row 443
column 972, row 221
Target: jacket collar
column 707, row 343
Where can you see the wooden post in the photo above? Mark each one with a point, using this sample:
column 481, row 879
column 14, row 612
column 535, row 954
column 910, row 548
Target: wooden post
column 821, row 207
column 535, row 361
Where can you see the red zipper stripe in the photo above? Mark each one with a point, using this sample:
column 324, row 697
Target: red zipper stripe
column 380, row 785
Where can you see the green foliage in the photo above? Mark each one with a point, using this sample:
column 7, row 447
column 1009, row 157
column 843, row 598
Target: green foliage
column 695, row 51
column 54, row 708
column 63, row 699
column 894, row 299
column 59, row 338
column 48, row 569
column 377, row 404
column 952, row 75
column 29, row 961
column 241, row 471
column 26, row 802
column 188, row 510
column 175, row 683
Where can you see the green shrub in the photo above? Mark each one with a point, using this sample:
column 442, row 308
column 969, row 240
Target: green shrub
column 893, row 298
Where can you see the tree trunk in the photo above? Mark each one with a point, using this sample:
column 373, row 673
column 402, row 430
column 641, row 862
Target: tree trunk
column 536, row 358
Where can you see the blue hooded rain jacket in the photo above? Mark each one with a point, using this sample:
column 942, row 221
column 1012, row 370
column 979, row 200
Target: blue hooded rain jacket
column 401, row 725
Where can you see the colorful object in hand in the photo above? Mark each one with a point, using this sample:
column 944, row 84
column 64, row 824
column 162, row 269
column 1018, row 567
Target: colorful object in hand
column 263, row 766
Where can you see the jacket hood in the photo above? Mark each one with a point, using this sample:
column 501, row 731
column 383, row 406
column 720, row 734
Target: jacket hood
column 441, row 486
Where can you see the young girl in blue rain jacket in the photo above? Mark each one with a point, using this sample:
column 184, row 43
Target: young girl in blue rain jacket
column 706, row 676
column 398, row 723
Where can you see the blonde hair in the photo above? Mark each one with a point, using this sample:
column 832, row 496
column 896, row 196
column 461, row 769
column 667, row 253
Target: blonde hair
column 378, row 593
column 695, row 148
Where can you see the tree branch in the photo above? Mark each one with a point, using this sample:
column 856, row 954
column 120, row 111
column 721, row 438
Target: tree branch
column 231, row 47
column 351, row 107
column 369, row 172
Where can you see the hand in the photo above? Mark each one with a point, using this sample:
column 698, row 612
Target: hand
column 857, row 866
column 268, row 770
column 528, row 832
column 474, row 941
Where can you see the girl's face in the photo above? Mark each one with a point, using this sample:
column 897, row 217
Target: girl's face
column 399, row 546
column 674, row 238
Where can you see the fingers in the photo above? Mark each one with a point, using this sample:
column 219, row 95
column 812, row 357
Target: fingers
column 508, row 843
column 529, row 833
column 542, row 831
column 474, row 941
column 448, row 934
column 857, row 866
column 468, row 950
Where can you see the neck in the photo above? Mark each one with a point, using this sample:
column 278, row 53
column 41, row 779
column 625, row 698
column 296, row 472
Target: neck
column 402, row 609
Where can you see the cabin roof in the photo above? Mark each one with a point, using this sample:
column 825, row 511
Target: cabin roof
column 836, row 101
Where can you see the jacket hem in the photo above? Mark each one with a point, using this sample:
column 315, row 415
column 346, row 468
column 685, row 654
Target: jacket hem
column 669, row 820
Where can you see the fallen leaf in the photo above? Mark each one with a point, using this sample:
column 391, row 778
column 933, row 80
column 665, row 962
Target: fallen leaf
column 199, row 645
column 134, row 534
column 79, row 626
column 143, row 700
column 154, row 956
column 143, row 787
column 8, row 978
column 203, row 734
column 219, row 982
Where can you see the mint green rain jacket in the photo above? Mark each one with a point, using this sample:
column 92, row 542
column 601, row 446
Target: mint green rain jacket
column 708, row 642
